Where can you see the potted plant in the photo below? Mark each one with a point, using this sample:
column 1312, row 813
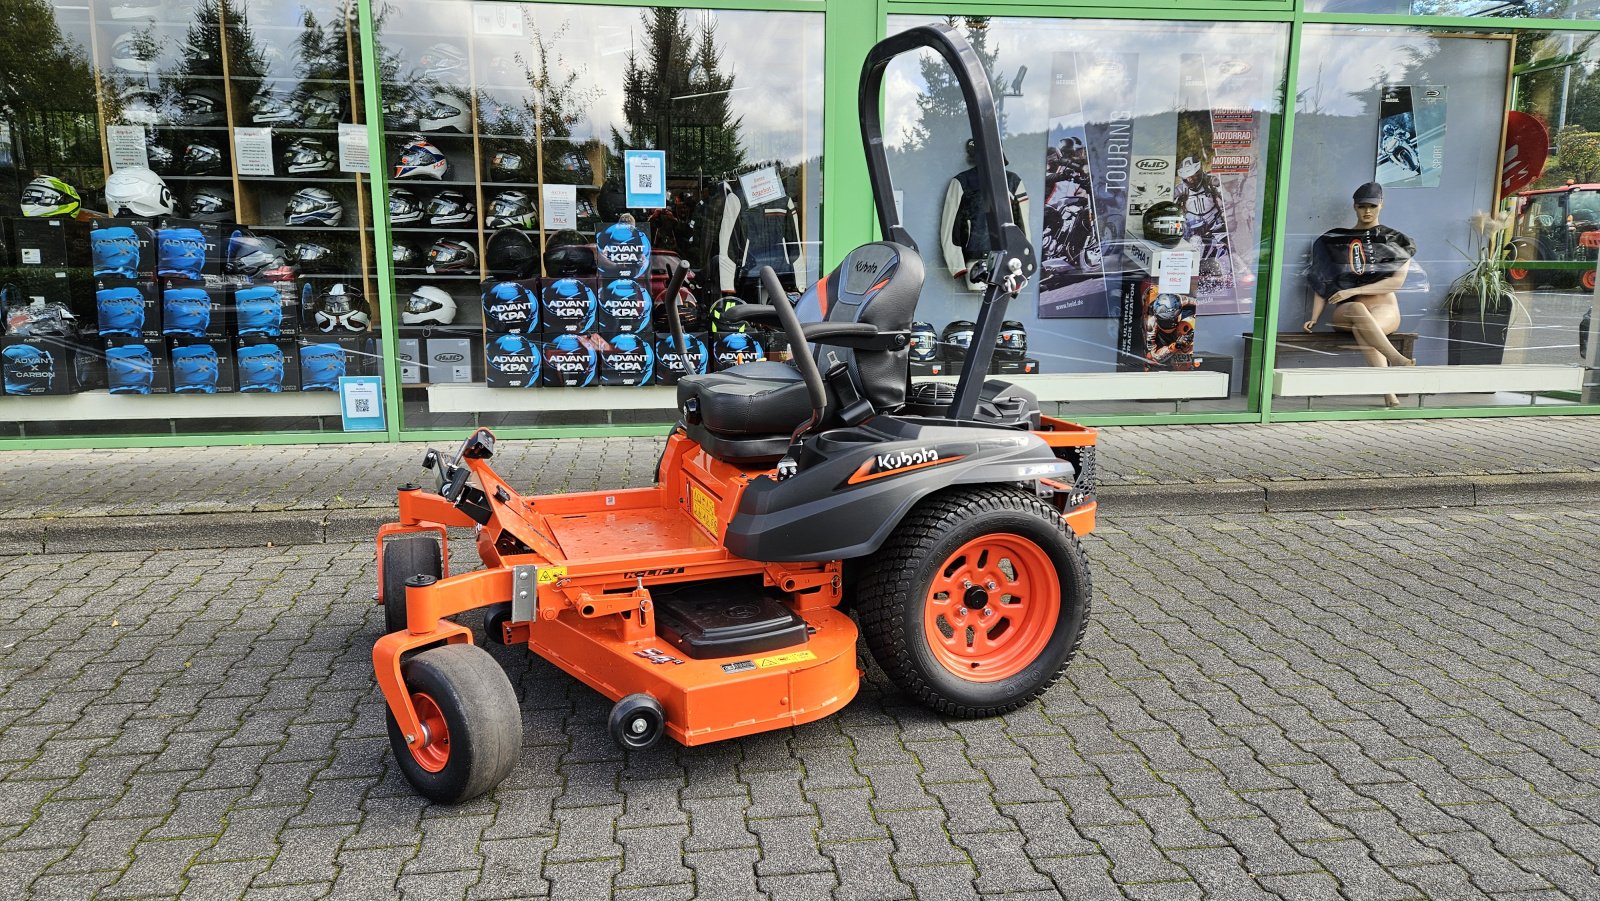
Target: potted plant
column 1480, row 302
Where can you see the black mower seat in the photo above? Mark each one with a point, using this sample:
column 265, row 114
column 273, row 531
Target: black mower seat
column 749, row 399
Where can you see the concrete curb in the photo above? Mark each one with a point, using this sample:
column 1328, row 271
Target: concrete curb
column 199, row 531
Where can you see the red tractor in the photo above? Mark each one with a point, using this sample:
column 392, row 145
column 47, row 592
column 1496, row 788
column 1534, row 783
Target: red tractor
column 1556, row 225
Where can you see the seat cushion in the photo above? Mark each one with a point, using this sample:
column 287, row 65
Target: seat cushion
column 749, row 399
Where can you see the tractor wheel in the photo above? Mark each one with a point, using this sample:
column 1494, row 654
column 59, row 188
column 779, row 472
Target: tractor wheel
column 637, row 722
column 977, row 601
column 1521, row 251
column 1587, row 280
column 471, row 724
column 402, row 559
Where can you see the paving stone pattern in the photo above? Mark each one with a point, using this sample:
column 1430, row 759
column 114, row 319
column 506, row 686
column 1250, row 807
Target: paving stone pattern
column 1296, row 706
column 331, row 477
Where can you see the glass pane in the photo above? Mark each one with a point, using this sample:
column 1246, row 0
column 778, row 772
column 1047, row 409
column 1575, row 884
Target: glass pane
column 1487, row 9
column 1424, row 165
column 521, row 267
column 177, row 226
column 1134, row 149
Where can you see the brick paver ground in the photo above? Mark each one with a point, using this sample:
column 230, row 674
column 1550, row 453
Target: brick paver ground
column 317, row 477
column 1299, row 706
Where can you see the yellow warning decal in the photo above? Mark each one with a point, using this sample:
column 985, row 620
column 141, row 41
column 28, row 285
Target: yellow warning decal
column 785, row 659
column 550, row 575
column 705, row 509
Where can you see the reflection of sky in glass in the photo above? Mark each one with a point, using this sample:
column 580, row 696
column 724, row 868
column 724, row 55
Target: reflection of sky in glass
column 1249, row 55
column 775, row 58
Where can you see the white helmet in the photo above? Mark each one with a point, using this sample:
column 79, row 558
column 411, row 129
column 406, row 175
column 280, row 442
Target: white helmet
column 428, row 305
column 445, row 112
column 138, row 192
column 135, row 51
column 1189, row 167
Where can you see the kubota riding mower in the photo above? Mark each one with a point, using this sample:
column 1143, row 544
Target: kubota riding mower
column 711, row 606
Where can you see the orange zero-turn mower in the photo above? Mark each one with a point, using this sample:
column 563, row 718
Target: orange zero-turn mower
column 712, row 605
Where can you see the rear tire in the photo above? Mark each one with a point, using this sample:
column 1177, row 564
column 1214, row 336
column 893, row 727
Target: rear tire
column 473, row 723
column 402, row 559
column 947, row 639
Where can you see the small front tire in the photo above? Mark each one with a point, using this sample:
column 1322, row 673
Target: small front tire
column 471, row 724
column 637, row 722
column 402, row 559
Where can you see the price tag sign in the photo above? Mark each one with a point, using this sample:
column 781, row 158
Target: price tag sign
column 762, row 186
column 647, row 178
column 498, row 19
column 1173, row 271
column 361, row 403
column 353, row 154
column 127, row 148
column 252, row 151
column 560, row 206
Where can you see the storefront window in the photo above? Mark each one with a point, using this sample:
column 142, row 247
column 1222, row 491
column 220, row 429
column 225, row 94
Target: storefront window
column 1444, row 218
column 1487, row 9
column 548, row 166
column 179, row 226
column 1139, row 155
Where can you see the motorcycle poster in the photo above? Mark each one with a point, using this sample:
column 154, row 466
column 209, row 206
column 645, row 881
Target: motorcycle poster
column 1155, row 329
column 1411, row 124
column 1198, row 189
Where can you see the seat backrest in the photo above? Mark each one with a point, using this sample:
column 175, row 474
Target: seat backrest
column 878, row 284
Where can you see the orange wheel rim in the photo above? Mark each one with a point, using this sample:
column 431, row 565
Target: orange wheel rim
column 1518, row 274
column 1588, row 281
column 432, row 747
column 992, row 607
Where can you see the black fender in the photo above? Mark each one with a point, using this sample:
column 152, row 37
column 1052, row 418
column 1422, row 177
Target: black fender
column 850, row 496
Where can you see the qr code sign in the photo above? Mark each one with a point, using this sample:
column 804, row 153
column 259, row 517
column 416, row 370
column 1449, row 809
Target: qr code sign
column 363, row 406
column 647, row 181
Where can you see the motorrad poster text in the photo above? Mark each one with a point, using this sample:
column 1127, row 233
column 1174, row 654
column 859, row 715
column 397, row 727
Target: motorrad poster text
column 1194, row 143
column 1411, row 124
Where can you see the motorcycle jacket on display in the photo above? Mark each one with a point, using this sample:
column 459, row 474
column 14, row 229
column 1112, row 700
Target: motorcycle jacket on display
column 963, row 227
column 751, row 237
column 1350, row 257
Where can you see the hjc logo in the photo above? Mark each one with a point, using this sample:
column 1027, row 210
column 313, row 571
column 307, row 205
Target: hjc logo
column 449, row 358
column 1151, row 165
column 902, row 459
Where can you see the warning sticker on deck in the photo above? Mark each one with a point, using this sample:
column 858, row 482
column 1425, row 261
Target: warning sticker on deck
column 785, row 659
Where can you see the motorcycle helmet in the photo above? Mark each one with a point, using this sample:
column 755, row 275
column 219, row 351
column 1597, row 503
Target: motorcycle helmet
column 321, row 109
column 688, row 312
column 445, row 112
column 138, row 192
column 956, row 339
column 405, row 257
column 924, row 343
column 420, row 159
column 566, row 255
column 1163, row 223
column 1189, row 168
column 507, row 165
column 404, row 208
column 511, row 208
column 586, row 211
column 339, row 308
column 1012, row 342
column 314, row 257
column 41, row 319
column 1167, row 308
column 210, row 205
column 401, row 113
column 47, row 195
column 428, row 305
column 972, row 153
column 273, row 108
column 576, row 164
column 253, row 255
column 719, row 309
column 143, row 107
column 313, row 206
column 307, row 155
column 445, row 63
column 201, row 107
column 135, row 51
column 201, row 158
column 161, row 159
column 28, row 369
column 511, row 254
column 451, row 255
column 450, row 207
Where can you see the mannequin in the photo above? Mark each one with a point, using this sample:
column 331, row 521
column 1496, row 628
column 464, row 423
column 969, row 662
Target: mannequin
column 1356, row 271
column 962, row 228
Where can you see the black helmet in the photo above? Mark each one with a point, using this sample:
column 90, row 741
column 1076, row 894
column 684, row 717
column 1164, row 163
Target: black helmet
column 450, row 207
column 274, row 108
column 924, row 343
column 202, row 158
column 508, row 165
column 510, row 254
column 510, row 208
column 405, row 257
column 567, row 256
column 314, row 256
column 339, row 308
column 210, row 205
column 161, row 159
column 201, row 107
column 321, row 109
column 307, row 155
column 955, row 339
column 1012, row 342
column 451, row 255
column 1163, row 223
column 404, row 208
column 252, row 254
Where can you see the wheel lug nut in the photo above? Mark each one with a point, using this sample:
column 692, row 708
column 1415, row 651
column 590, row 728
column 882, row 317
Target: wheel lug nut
column 961, row 613
column 992, row 586
column 411, row 739
column 988, row 612
column 966, row 583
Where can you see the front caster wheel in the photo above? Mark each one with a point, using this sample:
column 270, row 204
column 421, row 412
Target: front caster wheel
column 637, row 722
column 495, row 618
column 977, row 601
column 402, row 559
column 471, row 731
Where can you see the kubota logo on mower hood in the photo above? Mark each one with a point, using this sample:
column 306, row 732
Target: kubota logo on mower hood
column 895, row 462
